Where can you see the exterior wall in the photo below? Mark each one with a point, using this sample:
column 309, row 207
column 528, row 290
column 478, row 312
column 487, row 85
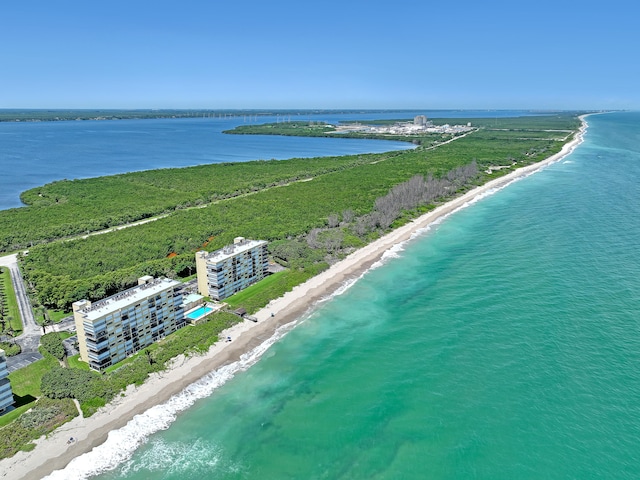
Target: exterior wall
column 201, row 273
column 225, row 272
column 6, row 395
column 114, row 328
column 78, row 320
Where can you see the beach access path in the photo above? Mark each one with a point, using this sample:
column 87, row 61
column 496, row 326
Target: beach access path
column 54, row 453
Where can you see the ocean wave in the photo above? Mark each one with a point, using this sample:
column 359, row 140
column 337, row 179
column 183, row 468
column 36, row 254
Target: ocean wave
column 488, row 193
column 391, row 253
column 344, row 286
column 395, row 251
column 122, row 443
column 431, row 225
column 175, row 458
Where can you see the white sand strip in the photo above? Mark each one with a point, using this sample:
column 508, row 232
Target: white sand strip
column 53, row 453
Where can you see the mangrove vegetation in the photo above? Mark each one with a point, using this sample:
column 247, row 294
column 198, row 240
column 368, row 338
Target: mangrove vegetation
column 280, row 201
column 312, row 211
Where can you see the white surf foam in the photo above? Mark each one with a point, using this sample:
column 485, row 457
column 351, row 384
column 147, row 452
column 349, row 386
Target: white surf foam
column 390, row 254
column 175, row 458
column 122, row 443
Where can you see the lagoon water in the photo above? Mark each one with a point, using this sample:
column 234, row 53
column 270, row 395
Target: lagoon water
column 35, row 153
column 503, row 342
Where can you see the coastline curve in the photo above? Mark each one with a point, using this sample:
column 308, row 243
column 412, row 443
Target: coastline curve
column 225, row 359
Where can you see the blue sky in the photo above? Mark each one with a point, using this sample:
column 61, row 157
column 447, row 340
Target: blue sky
column 326, row 54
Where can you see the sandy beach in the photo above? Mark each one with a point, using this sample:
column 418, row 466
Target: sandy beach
column 54, row 453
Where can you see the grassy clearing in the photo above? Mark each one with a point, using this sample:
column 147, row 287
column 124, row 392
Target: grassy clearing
column 259, row 295
column 75, row 362
column 26, row 381
column 57, row 315
column 133, row 358
column 245, row 296
column 9, row 303
column 65, row 335
column 7, row 418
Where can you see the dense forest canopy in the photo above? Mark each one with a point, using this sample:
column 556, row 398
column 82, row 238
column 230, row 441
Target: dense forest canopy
column 311, row 210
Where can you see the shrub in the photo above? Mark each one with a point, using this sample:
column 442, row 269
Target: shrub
column 10, row 349
column 52, row 343
column 43, row 418
column 38, row 416
column 69, row 383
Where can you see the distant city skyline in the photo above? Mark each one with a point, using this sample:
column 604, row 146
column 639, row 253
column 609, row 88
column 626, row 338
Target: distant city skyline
column 328, row 55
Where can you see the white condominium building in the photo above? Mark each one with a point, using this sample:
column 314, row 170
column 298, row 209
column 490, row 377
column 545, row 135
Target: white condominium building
column 114, row 328
column 6, row 395
column 232, row 268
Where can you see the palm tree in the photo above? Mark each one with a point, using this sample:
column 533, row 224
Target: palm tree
column 10, row 330
column 149, row 357
column 45, row 321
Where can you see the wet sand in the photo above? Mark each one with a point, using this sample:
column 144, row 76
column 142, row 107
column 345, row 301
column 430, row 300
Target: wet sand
column 54, row 453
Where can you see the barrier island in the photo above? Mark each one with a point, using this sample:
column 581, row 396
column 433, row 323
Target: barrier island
column 326, row 220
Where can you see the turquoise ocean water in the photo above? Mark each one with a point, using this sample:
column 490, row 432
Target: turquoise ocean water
column 503, row 342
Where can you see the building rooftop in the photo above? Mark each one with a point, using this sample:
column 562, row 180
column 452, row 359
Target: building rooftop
column 127, row 298
column 232, row 250
column 192, row 297
column 404, row 128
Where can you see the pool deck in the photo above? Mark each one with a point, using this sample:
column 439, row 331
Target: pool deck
column 207, row 308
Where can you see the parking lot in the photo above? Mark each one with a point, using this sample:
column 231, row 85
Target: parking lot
column 22, row 360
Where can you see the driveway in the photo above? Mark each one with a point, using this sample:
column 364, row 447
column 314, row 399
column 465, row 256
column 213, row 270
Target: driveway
column 31, row 331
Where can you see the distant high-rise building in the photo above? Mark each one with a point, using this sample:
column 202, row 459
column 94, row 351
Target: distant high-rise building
column 6, row 395
column 420, row 120
column 232, row 268
column 113, row 328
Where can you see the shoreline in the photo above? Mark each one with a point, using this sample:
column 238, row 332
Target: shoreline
column 53, row 453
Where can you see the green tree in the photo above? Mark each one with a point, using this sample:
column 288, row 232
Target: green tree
column 52, row 343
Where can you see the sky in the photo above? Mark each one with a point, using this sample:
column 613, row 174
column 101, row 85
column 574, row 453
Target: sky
column 282, row 54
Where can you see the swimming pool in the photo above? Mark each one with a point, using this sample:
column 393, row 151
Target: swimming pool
column 199, row 312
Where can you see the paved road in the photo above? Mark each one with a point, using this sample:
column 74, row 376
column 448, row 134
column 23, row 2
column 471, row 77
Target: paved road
column 31, row 331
